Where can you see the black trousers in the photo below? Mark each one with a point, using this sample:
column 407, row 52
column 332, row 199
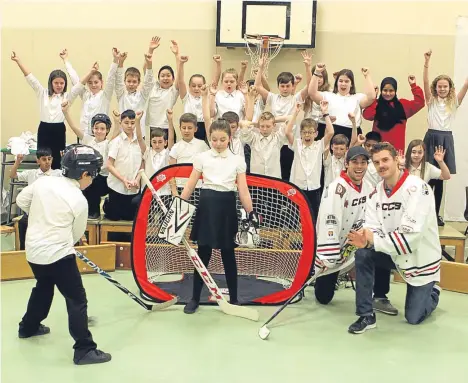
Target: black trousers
column 22, row 227
column 52, row 136
column 381, row 282
column 65, row 275
column 94, row 192
column 314, row 198
column 230, row 269
column 120, row 206
column 325, row 288
column 286, row 161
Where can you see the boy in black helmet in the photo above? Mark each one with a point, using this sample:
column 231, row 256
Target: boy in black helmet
column 58, row 214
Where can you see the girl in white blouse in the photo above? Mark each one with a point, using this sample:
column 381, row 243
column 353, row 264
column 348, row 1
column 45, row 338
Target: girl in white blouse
column 51, row 131
column 215, row 224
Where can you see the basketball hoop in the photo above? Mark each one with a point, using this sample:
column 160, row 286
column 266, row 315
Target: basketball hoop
column 257, row 45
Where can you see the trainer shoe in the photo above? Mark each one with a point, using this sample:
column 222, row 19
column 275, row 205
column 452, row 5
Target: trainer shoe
column 440, row 221
column 383, row 305
column 362, row 324
column 191, row 307
column 437, row 289
column 94, row 357
column 42, row 330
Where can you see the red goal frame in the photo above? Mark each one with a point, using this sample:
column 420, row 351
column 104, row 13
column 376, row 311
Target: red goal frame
column 292, row 192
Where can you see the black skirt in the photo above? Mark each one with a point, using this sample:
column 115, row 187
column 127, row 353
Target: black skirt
column 215, row 224
column 52, row 136
column 435, row 138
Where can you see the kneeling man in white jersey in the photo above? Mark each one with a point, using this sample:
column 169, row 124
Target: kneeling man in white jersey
column 342, row 209
column 400, row 231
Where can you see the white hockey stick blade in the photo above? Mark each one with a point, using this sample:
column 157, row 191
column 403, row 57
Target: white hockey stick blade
column 238, row 311
column 164, row 305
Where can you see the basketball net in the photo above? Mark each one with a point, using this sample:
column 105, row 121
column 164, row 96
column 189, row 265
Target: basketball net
column 257, row 46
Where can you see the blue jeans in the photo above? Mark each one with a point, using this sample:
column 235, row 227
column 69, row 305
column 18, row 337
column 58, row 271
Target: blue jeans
column 421, row 301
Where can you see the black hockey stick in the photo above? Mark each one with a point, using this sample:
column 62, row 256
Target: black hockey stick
column 153, row 307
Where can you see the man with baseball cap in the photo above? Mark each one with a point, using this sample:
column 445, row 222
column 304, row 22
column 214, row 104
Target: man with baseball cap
column 342, row 209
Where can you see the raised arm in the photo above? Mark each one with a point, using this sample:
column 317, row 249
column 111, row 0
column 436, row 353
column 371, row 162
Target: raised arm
column 288, row 132
column 74, row 77
column 181, row 85
column 71, row 124
column 368, row 90
column 175, row 50
column 119, row 77
column 439, row 155
column 417, row 103
column 154, row 43
column 16, row 165
column 242, row 71
column 461, row 95
column 148, row 81
column 141, row 141
column 16, row 59
column 116, row 129
column 258, row 79
column 329, row 130
column 250, row 103
column 315, row 95
column 308, row 65
column 427, row 86
column 217, row 69
column 354, row 133
column 111, row 76
column 170, row 131
column 206, row 109
column 78, row 89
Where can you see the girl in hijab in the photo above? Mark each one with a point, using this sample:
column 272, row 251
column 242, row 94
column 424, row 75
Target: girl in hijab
column 390, row 114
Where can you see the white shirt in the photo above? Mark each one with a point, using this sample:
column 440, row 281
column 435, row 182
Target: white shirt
column 283, row 106
column 265, row 157
column 219, row 170
column 184, row 152
column 159, row 101
column 339, row 106
column 50, row 108
column 430, row 172
column 193, row 105
column 333, row 167
column 307, row 164
column 32, row 175
column 93, row 103
column 135, row 101
column 236, row 144
column 127, row 156
column 102, row 147
column 230, row 102
column 58, row 214
column 371, row 177
column 439, row 117
column 315, row 113
column 155, row 161
column 259, row 107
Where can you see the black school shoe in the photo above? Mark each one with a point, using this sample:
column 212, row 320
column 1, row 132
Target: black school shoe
column 191, row 307
column 440, row 221
column 94, row 215
column 93, row 357
column 363, row 324
column 42, row 330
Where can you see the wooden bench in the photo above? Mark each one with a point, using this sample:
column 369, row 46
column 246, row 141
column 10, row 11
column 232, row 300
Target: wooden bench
column 107, row 226
column 123, row 259
column 92, row 228
column 449, row 236
column 15, row 266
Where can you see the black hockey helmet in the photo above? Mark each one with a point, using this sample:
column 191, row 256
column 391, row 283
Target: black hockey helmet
column 78, row 159
column 101, row 117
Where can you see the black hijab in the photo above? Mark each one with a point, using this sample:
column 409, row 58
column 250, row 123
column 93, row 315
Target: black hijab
column 387, row 115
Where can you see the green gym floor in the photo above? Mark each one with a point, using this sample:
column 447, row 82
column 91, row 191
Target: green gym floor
column 308, row 342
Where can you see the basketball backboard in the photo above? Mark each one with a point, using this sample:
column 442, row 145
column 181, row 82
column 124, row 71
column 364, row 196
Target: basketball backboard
column 292, row 20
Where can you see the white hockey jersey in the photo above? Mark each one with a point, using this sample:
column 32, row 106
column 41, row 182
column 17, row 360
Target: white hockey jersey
column 405, row 227
column 342, row 209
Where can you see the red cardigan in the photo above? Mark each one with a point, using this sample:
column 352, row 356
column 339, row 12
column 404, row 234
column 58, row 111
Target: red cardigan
column 396, row 135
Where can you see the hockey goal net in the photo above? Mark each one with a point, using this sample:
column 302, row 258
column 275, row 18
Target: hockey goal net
column 284, row 256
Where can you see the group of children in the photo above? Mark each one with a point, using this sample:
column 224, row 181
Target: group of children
column 226, row 131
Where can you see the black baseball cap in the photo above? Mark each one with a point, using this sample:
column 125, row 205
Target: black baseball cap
column 356, row 151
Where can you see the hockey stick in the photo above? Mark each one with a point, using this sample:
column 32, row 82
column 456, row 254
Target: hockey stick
column 264, row 332
column 153, row 307
column 227, row 308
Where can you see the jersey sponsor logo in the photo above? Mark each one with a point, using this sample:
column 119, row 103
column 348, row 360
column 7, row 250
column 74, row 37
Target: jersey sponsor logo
column 406, row 229
column 340, row 190
column 379, row 232
column 406, row 217
column 358, row 224
column 331, row 220
column 390, row 206
column 291, row 192
column 358, row 201
column 413, row 188
column 161, row 178
column 425, row 189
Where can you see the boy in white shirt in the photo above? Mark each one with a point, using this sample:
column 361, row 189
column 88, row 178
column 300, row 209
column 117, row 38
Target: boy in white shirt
column 184, row 150
column 283, row 104
column 129, row 97
column 308, row 154
column 44, row 160
column 124, row 161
